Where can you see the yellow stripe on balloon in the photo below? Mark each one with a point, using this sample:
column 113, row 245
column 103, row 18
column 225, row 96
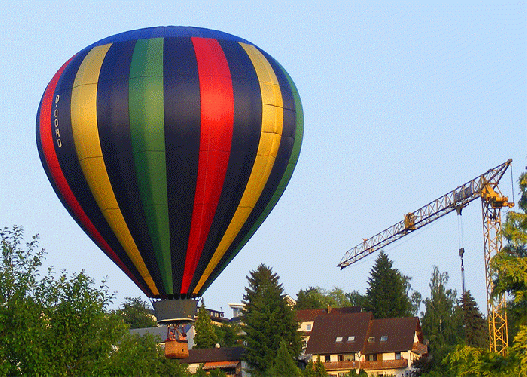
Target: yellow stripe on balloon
column 87, row 143
column 271, row 133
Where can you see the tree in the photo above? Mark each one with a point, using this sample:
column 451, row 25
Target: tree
column 60, row 325
column 283, row 364
column 50, row 325
column 315, row 369
column 206, row 336
column 310, row 298
column 475, row 326
column 319, row 298
column 267, row 320
column 387, row 294
column 136, row 313
column 442, row 320
column 357, row 299
column 140, row 356
column 228, row 334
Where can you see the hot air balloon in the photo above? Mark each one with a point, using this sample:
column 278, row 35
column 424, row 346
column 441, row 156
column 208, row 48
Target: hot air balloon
column 169, row 146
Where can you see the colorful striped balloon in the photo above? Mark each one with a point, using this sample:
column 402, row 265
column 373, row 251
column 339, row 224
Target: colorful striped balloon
column 169, row 146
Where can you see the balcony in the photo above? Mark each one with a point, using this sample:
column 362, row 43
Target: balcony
column 366, row 365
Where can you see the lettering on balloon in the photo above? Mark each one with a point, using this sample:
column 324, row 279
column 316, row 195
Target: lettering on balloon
column 56, row 122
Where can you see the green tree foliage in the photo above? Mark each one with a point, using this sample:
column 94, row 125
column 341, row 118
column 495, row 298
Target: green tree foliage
column 283, row 364
column 268, row 320
column 136, row 313
column 319, row 298
column 50, row 325
column 442, row 320
column 387, row 294
column 60, row 325
column 315, row 369
column 228, row 334
column 310, row 298
column 206, row 336
column 357, row 299
column 140, row 356
column 474, row 325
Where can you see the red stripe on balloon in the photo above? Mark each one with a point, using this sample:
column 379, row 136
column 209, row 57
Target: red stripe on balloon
column 47, row 128
column 217, row 122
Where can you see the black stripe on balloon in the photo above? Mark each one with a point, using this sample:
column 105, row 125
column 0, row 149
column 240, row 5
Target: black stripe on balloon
column 113, row 123
column 182, row 140
column 244, row 146
column 71, row 168
column 282, row 159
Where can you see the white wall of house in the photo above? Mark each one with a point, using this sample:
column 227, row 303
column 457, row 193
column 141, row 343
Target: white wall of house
column 306, row 326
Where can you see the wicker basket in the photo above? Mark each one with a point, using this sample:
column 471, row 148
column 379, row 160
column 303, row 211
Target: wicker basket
column 176, row 349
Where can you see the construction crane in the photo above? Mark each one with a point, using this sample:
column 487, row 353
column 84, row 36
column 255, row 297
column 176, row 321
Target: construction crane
column 492, row 201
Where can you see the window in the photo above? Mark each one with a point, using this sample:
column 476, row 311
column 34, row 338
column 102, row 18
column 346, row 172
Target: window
column 351, row 338
column 397, row 356
column 371, row 339
column 372, row 357
column 349, row 357
column 327, row 358
column 308, row 327
column 384, row 338
column 341, row 357
column 338, row 339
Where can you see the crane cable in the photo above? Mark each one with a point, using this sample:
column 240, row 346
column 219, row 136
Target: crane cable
column 461, row 247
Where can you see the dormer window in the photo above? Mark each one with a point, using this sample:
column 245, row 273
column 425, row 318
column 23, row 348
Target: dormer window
column 371, row 339
column 338, row 339
column 384, row 338
column 351, row 338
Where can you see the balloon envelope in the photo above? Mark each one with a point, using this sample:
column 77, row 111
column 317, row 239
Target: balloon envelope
column 169, row 146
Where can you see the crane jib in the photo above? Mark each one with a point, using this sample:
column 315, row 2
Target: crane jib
column 456, row 199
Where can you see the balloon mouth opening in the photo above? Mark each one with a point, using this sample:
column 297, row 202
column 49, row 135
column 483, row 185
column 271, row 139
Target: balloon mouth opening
column 181, row 296
column 175, row 311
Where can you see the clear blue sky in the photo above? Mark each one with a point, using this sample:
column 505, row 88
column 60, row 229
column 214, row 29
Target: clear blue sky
column 402, row 104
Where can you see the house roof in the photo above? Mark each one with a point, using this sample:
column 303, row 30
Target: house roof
column 354, row 332
column 391, row 335
column 199, row 356
column 309, row 315
column 339, row 333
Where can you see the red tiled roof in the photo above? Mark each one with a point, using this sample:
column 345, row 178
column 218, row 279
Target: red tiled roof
column 199, row 356
column 327, row 328
column 309, row 315
column 220, row 364
column 331, row 334
column 392, row 335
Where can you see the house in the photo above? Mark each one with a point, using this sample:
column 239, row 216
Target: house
column 356, row 340
column 306, row 318
column 228, row 359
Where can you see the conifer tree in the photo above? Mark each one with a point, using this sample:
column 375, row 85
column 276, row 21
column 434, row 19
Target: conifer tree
column 476, row 329
column 283, row 364
column 387, row 295
column 442, row 320
column 206, row 336
column 268, row 320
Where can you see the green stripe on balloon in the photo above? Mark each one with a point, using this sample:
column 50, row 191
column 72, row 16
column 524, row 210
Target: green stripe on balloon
column 148, row 141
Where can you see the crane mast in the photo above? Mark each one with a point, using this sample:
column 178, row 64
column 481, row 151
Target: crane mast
column 485, row 187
